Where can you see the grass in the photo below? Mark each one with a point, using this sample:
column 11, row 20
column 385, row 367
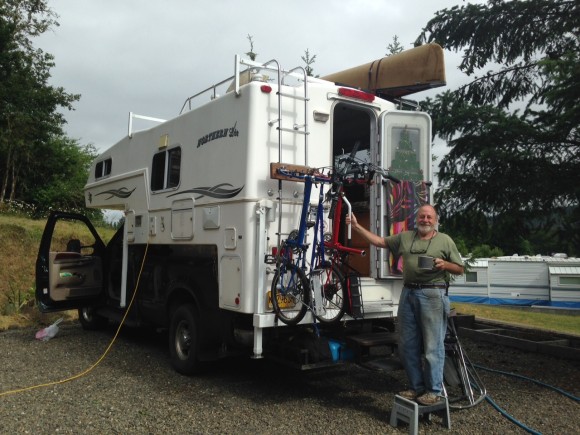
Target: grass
column 527, row 317
column 20, row 237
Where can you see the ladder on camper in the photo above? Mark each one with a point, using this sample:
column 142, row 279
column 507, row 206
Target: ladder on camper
column 298, row 73
column 281, row 74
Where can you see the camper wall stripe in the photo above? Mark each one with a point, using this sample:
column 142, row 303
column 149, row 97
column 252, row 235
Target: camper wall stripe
column 119, row 193
column 214, row 192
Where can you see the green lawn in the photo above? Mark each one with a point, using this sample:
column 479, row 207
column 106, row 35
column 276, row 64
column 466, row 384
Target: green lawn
column 530, row 317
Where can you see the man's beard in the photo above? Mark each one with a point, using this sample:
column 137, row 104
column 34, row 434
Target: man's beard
column 425, row 229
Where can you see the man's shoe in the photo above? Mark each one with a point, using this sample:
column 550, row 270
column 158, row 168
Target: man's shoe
column 429, row 399
column 408, row 394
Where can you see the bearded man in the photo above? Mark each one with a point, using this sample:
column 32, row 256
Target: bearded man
column 424, row 304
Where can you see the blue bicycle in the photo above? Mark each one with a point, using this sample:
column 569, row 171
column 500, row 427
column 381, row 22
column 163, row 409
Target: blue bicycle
column 297, row 285
column 318, row 285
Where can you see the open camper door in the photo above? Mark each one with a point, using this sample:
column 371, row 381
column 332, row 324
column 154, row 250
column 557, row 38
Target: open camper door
column 405, row 150
column 69, row 266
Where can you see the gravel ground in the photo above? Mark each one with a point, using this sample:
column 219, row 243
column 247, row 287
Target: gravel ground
column 135, row 391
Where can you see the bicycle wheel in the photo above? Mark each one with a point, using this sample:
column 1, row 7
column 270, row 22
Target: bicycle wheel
column 290, row 293
column 330, row 283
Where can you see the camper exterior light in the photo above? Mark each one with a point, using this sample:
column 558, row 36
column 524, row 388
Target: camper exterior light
column 354, row 93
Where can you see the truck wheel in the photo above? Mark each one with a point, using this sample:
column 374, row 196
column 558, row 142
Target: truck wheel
column 90, row 320
column 183, row 340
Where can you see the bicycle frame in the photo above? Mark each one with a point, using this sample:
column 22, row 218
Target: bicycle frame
column 290, row 280
column 324, row 280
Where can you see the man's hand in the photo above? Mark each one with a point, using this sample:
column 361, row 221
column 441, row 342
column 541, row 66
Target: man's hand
column 441, row 264
column 351, row 220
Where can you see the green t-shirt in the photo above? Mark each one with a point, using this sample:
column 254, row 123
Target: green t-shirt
column 440, row 246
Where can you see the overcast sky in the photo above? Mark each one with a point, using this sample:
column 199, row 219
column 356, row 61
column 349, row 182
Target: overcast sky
column 148, row 56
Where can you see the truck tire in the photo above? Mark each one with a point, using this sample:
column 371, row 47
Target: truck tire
column 90, row 320
column 184, row 340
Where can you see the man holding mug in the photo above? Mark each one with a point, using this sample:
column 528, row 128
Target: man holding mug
column 428, row 257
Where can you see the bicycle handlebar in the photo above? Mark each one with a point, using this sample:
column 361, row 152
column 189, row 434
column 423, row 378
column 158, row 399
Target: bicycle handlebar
column 356, row 168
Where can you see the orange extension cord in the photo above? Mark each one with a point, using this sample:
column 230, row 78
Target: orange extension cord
column 83, row 373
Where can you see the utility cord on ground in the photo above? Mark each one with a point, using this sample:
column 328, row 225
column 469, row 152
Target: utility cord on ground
column 510, row 417
column 88, row 370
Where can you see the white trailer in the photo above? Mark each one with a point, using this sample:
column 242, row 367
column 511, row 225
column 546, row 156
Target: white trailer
column 520, row 280
column 203, row 213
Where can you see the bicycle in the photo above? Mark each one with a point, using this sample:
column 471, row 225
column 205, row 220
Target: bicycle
column 291, row 289
column 348, row 171
column 325, row 283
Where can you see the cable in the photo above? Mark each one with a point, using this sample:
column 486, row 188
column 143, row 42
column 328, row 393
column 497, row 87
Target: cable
column 83, row 373
column 558, row 390
column 510, row 418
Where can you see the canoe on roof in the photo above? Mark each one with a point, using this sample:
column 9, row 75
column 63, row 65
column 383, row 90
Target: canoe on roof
column 398, row 75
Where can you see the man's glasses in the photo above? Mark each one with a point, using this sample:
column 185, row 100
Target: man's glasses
column 423, row 251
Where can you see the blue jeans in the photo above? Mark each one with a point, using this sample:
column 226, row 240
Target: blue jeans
column 423, row 322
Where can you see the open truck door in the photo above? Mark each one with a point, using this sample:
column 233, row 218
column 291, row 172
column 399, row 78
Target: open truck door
column 69, row 266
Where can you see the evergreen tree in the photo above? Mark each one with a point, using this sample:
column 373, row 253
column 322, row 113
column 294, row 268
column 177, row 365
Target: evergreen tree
column 39, row 165
column 29, row 106
column 513, row 130
column 394, row 47
column 309, row 60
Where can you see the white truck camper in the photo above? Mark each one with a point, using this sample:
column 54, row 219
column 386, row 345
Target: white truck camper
column 203, row 213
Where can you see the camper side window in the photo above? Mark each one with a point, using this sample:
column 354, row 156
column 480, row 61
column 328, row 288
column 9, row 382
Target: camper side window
column 103, row 168
column 166, row 169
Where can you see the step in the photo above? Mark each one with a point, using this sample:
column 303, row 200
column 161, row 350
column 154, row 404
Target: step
column 408, row 412
column 361, row 343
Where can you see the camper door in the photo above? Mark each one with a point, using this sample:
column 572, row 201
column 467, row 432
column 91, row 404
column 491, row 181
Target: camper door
column 69, row 270
column 405, row 149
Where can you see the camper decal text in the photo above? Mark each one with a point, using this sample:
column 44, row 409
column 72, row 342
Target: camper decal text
column 217, row 191
column 218, row 134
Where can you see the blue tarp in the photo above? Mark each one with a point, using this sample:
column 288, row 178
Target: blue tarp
column 518, row 302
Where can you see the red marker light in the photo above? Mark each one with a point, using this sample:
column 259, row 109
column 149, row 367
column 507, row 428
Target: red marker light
column 266, row 89
column 354, row 93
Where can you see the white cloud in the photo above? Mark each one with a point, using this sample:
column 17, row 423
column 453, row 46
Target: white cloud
column 149, row 56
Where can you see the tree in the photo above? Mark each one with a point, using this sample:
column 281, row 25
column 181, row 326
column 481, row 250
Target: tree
column 29, row 106
column 395, row 47
column 513, row 130
column 309, row 60
column 251, row 54
column 57, row 180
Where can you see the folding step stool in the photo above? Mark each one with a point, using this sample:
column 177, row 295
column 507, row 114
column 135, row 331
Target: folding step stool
column 409, row 412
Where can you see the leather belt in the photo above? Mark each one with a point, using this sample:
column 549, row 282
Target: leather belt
column 419, row 286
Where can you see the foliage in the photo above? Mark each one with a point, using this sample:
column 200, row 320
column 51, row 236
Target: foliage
column 486, row 251
column 19, row 237
column 39, row 166
column 251, row 54
column 57, row 180
column 394, row 47
column 309, row 60
column 513, row 130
